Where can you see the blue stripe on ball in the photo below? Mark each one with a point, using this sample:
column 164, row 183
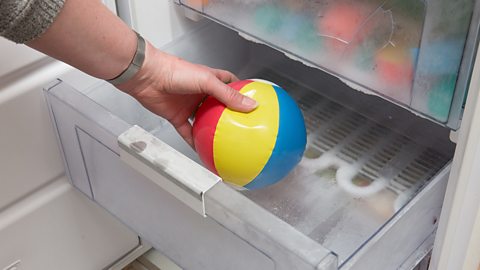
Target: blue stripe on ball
column 290, row 144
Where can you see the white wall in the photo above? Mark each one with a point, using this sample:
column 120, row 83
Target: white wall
column 13, row 56
column 159, row 21
column 44, row 222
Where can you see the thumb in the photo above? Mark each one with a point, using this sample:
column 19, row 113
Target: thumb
column 231, row 97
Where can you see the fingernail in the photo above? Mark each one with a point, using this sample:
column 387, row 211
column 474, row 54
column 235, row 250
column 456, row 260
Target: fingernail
column 249, row 102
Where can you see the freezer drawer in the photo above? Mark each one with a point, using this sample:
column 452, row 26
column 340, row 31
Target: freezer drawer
column 361, row 189
column 415, row 53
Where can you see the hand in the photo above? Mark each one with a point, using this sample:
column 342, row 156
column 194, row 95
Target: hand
column 173, row 88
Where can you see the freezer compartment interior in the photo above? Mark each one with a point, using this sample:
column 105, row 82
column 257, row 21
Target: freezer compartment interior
column 408, row 51
column 365, row 157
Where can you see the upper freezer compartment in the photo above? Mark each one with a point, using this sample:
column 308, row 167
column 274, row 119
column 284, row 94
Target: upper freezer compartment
column 408, row 51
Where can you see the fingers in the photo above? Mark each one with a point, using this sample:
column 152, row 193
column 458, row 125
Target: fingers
column 224, row 76
column 194, row 79
column 185, row 130
column 230, row 97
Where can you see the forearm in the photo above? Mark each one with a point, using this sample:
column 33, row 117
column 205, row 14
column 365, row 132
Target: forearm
column 88, row 36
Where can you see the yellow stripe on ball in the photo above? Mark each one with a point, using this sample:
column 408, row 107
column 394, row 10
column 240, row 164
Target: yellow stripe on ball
column 243, row 142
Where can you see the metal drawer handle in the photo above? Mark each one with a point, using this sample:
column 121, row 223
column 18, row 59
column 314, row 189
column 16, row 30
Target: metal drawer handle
column 166, row 167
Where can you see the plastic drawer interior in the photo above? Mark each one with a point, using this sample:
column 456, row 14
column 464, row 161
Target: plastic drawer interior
column 415, row 53
column 372, row 178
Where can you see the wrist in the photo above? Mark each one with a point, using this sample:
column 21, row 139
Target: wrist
column 145, row 76
column 135, row 64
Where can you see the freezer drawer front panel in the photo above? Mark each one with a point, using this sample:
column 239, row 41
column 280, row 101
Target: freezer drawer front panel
column 360, row 187
column 415, row 53
column 170, row 226
column 407, row 233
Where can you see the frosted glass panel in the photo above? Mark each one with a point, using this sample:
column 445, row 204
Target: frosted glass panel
column 407, row 51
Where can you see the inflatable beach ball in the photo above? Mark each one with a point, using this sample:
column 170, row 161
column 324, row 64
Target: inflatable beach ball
column 256, row 149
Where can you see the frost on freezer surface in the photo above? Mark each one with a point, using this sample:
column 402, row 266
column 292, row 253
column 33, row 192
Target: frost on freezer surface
column 440, row 57
column 405, row 50
column 371, row 42
column 354, row 176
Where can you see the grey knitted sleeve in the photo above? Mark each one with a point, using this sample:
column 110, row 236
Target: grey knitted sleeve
column 24, row 20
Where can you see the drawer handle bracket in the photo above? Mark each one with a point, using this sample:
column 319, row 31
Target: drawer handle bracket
column 166, row 167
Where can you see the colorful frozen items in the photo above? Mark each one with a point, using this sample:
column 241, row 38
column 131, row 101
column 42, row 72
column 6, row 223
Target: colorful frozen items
column 443, row 56
column 297, row 27
column 307, row 37
column 440, row 96
column 441, row 74
column 256, row 149
column 293, row 24
column 340, row 24
column 394, row 65
column 269, row 17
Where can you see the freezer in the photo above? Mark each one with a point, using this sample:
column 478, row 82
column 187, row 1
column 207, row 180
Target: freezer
column 366, row 195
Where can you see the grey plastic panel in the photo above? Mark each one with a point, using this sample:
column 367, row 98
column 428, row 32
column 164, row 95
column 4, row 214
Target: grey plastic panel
column 168, row 168
column 170, row 226
column 62, row 108
column 406, row 231
column 289, row 248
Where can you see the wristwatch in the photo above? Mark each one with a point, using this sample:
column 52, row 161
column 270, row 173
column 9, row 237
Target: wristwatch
column 135, row 65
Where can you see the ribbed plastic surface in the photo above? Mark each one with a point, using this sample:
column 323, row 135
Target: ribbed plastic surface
column 355, row 175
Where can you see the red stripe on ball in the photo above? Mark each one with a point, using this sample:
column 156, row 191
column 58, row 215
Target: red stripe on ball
column 238, row 85
column 205, row 125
